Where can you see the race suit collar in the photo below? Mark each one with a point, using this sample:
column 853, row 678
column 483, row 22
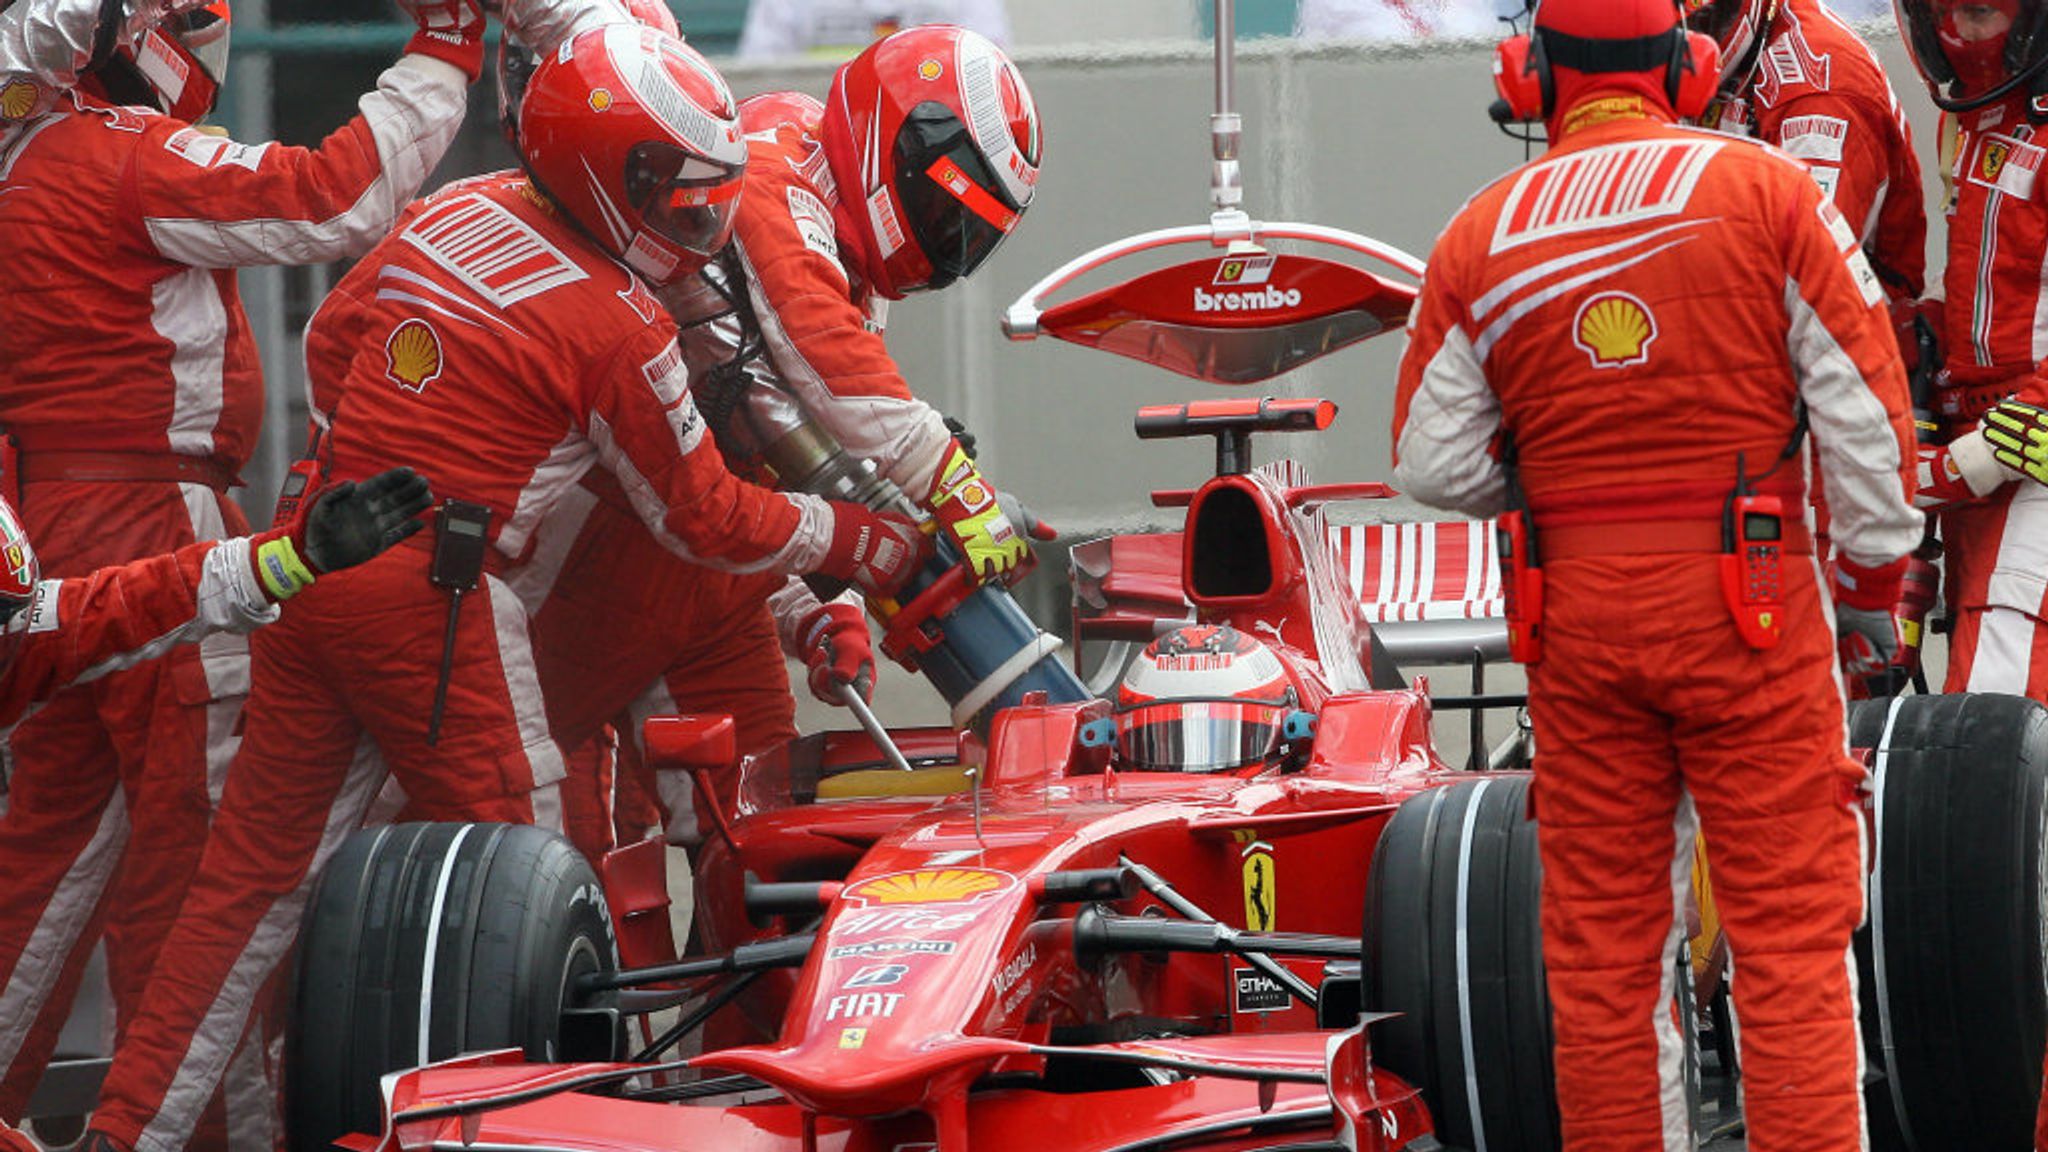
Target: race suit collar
column 1607, row 107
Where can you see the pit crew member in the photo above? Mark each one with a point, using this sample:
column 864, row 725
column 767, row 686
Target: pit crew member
column 796, row 303
column 503, row 336
column 1994, row 519
column 131, row 390
column 1986, row 473
column 1574, row 365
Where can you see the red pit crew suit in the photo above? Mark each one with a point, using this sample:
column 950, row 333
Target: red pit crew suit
column 122, row 230
column 1628, row 353
column 489, row 344
column 817, row 332
column 1821, row 95
column 1995, row 548
column 88, row 627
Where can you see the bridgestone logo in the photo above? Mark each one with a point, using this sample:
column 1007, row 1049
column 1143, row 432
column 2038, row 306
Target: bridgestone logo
column 1248, row 300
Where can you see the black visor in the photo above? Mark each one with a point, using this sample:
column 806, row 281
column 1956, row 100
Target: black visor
column 682, row 196
column 954, row 235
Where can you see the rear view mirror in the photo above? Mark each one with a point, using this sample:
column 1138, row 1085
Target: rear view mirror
column 692, row 743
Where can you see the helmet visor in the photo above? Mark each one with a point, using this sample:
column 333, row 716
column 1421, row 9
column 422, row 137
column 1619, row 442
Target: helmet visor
column 683, row 197
column 958, row 210
column 1198, row 735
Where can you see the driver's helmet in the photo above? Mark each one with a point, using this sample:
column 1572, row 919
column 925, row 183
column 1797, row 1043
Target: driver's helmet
column 176, row 66
column 1740, row 27
column 1975, row 52
column 19, row 573
column 1202, row 698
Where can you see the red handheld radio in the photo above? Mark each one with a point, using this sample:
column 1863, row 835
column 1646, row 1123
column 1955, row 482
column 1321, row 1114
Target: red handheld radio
column 298, row 483
column 1521, row 585
column 1752, row 565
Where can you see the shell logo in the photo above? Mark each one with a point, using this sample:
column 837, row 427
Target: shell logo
column 1614, row 329
column 932, row 886
column 412, row 354
column 930, row 69
column 600, row 99
column 18, row 99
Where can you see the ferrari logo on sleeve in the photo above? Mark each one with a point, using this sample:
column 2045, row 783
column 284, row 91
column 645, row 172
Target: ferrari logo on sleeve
column 1614, row 329
column 412, row 355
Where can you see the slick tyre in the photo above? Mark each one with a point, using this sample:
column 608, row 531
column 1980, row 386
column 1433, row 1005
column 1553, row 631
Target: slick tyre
column 1950, row 954
column 472, row 934
column 1459, row 863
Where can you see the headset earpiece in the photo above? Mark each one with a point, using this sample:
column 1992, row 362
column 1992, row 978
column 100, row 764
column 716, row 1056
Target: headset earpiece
column 1522, row 78
column 1695, row 75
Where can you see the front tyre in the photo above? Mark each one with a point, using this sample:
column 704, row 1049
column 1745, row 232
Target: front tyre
column 1950, row 955
column 1453, row 941
column 425, row 941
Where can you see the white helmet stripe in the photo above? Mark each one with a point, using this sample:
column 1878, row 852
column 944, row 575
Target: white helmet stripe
column 979, row 63
column 614, row 219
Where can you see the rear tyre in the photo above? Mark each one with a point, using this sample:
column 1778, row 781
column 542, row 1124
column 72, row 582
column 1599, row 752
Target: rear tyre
column 471, row 933
column 1459, row 862
column 1950, row 955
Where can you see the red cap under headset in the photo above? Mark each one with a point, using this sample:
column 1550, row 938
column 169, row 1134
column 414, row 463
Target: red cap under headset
column 1623, row 47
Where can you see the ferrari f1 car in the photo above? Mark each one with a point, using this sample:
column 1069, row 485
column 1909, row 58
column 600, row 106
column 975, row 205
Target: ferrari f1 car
column 1019, row 939
column 1008, row 934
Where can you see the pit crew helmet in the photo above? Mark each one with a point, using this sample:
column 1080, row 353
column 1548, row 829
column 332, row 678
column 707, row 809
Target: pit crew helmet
column 933, row 141
column 19, row 573
column 1976, row 52
column 1202, row 698
column 176, row 66
column 1740, row 28
column 1628, row 47
column 634, row 135
column 516, row 61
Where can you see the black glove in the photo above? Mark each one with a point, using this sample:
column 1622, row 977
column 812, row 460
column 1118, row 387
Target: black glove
column 350, row 523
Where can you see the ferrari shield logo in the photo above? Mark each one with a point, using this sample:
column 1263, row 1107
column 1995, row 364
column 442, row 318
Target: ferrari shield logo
column 1614, row 330
column 852, row 1037
column 1260, row 895
column 1243, row 270
column 1995, row 153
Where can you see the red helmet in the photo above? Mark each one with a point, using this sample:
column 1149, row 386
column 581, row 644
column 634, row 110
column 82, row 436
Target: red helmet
column 1636, row 47
column 1976, row 52
column 1202, row 698
column 634, row 135
column 1740, row 27
column 19, row 573
column 517, row 60
column 175, row 67
column 933, row 141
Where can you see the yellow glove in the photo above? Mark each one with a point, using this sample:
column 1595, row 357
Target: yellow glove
column 964, row 505
column 2018, row 434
